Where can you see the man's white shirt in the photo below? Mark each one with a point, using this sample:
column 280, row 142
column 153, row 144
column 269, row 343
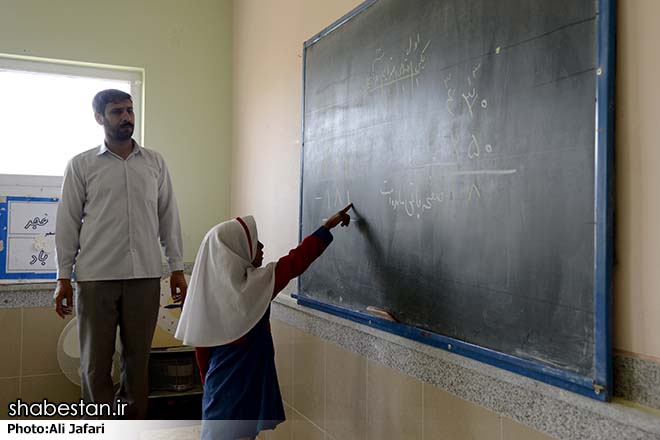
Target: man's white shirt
column 114, row 214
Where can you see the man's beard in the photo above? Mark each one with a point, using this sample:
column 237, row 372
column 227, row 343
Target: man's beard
column 120, row 135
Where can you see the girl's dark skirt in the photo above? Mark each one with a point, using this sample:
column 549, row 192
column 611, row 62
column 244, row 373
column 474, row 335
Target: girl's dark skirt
column 241, row 392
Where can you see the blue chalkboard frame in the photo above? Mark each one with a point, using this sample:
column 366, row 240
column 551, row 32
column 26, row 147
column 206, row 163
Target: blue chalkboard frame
column 600, row 386
column 4, row 217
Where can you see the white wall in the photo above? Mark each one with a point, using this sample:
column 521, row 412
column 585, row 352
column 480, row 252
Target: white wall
column 185, row 49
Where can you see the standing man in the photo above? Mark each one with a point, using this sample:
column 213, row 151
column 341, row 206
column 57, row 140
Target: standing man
column 117, row 208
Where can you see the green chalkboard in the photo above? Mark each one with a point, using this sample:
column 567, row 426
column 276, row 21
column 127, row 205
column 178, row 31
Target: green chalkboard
column 465, row 134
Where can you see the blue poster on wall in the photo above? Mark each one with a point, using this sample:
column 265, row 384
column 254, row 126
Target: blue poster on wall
column 27, row 238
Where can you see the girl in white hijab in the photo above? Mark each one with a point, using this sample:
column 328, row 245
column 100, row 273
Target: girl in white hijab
column 226, row 317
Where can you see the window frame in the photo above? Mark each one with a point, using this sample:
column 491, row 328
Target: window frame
column 23, row 184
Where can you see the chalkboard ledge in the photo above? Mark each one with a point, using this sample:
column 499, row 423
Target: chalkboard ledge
column 541, row 406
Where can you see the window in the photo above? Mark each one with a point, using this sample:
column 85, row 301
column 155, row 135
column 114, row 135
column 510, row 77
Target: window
column 46, row 114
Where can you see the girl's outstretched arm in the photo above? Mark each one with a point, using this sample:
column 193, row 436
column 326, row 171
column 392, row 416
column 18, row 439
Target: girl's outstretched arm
column 300, row 258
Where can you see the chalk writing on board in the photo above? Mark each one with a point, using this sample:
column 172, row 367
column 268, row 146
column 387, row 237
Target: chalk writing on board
column 469, row 95
column 42, row 257
column 474, row 149
column 336, row 198
column 449, row 103
column 403, row 71
column 470, row 98
column 36, row 222
column 474, row 192
column 415, row 205
column 471, row 148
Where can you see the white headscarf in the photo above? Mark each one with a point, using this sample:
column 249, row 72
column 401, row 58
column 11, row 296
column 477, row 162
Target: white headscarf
column 227, row 296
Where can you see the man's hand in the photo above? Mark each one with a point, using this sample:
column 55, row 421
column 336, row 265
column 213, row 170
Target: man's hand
column 178, row 286
column 63, row 297
column 340, row 217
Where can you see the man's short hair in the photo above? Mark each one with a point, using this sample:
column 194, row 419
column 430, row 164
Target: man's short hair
column 104, row 97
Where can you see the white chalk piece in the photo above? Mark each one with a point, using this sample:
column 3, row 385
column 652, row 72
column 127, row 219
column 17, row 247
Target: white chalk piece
column 380, row 313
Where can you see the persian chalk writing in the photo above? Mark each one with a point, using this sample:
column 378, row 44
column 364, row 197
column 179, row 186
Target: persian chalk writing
column 469, row 93
column 412, row 203
column 333, row 200
column 337, row 198
column 403, row 70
